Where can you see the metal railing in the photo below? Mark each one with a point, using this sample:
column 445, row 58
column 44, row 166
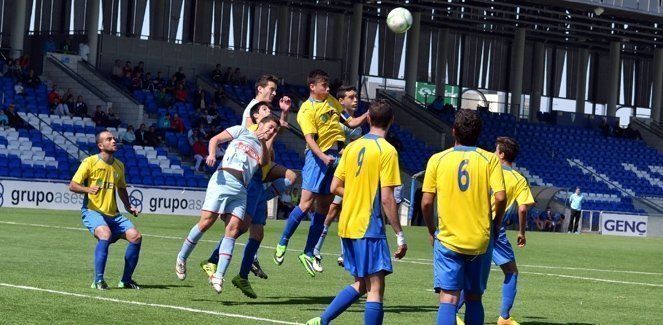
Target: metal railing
column 80, row 153
column 74, row 75
column 101, row 76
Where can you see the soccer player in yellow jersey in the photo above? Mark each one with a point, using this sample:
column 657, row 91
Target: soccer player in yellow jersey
column 99, row 178
column 366, row 176
column 320, row 118
column 462, row 180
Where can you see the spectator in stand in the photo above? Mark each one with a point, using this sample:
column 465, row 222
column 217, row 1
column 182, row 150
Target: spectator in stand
column 199, row 98
column 152, row 138
column 68, row 98
column 576, row 199
column 84, row 50
column 80, row 108
column 140, row 134
column 147, row 83
column 18, row 89
column 140, row 68
column 227, row 75
column 118, row 72
column 53, row 95
column 24, row 63
column 137, row 81
column 4, row 120
column 158, row 81
column 192, row 135
column 201, row 130
column 126, row 81
column 219, row 97
column 180, row 94
column 127, row 68
column 217, row 74
column 32, row 80
column 197, row 117
column 163, row 123
column 544, row 222
column 15, row 121
column 171, row 85
column 161, row 97
column 238, row 78
column 15, row 70
column 180, row 77
column 199, row 152
column 66, row 46
column 213, row 117
column 129, row 137
column 60, row 109
column 100, row 117
column 49, row 45
column 113, row 120
column 176, row 124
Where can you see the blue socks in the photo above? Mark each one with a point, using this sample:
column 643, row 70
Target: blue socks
column 130, row 261
column 343, row 300
column 314, row 232
column 446, row 314
column 249, row 255
column 461, row 300
column 190, row 242
column 508, row 294
column 214, row 258
column 100, row 257
column 296, row 216
column 225, row 255
column 321, row 241
column 473, row 312
column 373, row 314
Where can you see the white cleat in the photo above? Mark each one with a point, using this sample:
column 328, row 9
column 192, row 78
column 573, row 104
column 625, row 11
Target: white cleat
column 180, row 269
column 317, row 263
column 340, row 261
column 217, row 283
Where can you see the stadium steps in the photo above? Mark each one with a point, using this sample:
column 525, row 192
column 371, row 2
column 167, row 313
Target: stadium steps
column 65, row 141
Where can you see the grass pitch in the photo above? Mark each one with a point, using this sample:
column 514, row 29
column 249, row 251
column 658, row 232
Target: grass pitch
column 46, row 270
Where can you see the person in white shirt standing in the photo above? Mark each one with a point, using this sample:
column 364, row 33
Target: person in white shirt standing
column 575, row 201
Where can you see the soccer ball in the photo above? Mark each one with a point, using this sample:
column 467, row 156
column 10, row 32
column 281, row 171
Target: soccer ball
column 399, row 20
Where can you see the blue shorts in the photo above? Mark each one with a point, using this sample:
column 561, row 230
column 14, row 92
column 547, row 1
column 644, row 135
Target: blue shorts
column 365, row 256
column 453, row 271
column 118, row 224
column 502, row 250
column 316, row 176
column 256, row 201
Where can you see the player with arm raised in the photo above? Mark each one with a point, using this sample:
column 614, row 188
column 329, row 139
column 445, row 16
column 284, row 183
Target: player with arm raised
column 99, row 178
column 366, row 176
column 462, row 179
column 319, row 117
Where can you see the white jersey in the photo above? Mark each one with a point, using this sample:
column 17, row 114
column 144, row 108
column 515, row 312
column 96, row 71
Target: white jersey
column 243, row 153
column 247, row 112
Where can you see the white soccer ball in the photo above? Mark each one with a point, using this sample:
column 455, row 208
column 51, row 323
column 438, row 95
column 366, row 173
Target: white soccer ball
column 399, row 20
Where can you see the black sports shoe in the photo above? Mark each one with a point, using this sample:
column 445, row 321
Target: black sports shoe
column 99, row 285
column 128, row 285
column 257, row 270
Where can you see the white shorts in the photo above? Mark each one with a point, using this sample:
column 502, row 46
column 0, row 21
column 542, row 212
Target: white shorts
column 338, row 200
column 225, row 194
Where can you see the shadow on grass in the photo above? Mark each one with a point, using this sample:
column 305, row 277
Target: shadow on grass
column 164, row 286
column 276, row 301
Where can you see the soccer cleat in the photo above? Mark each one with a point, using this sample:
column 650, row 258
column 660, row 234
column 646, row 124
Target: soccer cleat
column 508, row 321
column 314, row 321
column 279, row 254
column 217, row 283
column 99, row 285
column 317, row 263
column 128, row 285
column 459, row 321
column 340, row 261
column 180, row 269
column 208, row 268
column 257, row 270
column 307, row 262
column 244, row 285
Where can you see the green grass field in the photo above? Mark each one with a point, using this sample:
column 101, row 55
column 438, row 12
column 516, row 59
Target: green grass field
column 46, row 269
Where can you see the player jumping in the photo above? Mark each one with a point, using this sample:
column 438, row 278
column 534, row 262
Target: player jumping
column 462, row 178
column 368, row 172
column 99, row 177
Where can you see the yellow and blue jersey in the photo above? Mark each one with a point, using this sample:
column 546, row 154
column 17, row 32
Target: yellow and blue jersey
column 463, row 180
column 323, row 119
column 367, row 164
column 94, row 171
column 517, row 191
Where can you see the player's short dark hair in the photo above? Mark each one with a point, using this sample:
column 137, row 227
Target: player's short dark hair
column 316, row 76
column 97, row 137
column 343, row 90
column 271, row 118
column 264, row 80
column 380, row 113
column 509, row 147
column 467, row 127
column 256, row 107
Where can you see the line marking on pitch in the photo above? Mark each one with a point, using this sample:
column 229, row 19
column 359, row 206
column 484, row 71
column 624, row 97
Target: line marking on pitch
column 138, row 303
column 420, row 261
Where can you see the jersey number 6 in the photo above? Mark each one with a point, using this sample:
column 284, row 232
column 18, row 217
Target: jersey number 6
column 463, row 176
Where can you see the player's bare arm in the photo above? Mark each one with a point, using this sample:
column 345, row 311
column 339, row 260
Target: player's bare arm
column 337, row 186
column 357, row 121
column 313, row 146
column 427, row 201
column 124, row 197
column 390, row 208
column 214, row 143
column 285, row 103
column 80, row 189
column 500, row 206
column 522, row 223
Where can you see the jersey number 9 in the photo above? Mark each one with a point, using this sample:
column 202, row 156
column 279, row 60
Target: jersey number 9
column 360, row 160
column 463, row 176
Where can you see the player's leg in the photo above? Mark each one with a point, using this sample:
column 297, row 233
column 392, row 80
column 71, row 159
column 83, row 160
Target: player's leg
column 374, row 312
column 343, row 300
column 294, row 219
column 503, row 256
column 322, row 203
column 256, row 234
column 126, row 230
column 476, row 270
column 207, row 219
column 232, row 232
column 334, row 211
column 448, row 281
column 98, row 227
